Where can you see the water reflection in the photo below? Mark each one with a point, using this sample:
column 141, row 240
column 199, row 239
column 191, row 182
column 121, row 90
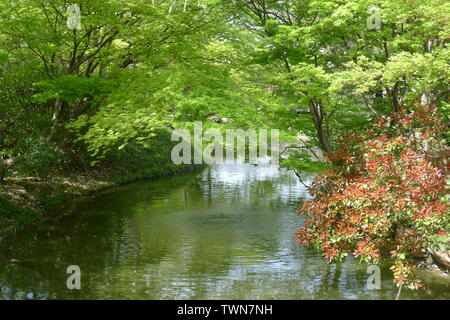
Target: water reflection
column 227, row 232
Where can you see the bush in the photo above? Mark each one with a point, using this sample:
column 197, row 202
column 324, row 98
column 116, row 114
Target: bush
column 383, row 196
column 43, row 159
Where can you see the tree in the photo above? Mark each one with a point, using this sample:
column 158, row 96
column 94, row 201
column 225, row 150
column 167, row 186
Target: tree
column 76, row 72
column 338, row 72
column 21, row 119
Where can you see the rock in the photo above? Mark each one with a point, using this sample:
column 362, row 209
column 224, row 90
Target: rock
column 441, row 258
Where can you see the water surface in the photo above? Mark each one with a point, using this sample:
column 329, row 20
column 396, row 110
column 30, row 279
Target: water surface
column 226, row 232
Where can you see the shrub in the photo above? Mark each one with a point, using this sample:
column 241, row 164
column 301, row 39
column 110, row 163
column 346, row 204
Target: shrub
column 43, row 159
column 383, row 195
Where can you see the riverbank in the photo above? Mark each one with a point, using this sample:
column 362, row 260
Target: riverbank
column 25, row 199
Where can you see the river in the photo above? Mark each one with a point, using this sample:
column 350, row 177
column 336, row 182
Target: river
column 226, row 232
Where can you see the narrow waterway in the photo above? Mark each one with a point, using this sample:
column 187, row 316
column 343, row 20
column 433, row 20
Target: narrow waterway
column 226, row 232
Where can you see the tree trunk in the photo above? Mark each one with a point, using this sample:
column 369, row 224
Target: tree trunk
column 322, row 133
column 57, row 110
column 57, row 114
column 394, row 96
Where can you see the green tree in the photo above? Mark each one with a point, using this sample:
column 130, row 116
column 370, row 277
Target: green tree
column 338, row 72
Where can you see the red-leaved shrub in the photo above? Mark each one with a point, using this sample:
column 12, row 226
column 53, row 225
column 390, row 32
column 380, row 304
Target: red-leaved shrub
column 382, row 198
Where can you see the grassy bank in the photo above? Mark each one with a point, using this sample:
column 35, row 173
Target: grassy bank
column 26, row 199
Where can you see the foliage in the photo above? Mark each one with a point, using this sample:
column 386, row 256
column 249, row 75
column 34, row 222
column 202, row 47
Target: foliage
column 43, row 159
column 311, row 67
column 383, row 194
column 337, row 73
column 303, row 162
column 70, row 87
column 21, row 119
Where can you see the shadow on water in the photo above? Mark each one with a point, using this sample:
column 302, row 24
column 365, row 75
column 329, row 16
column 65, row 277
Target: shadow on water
column 227, row 232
